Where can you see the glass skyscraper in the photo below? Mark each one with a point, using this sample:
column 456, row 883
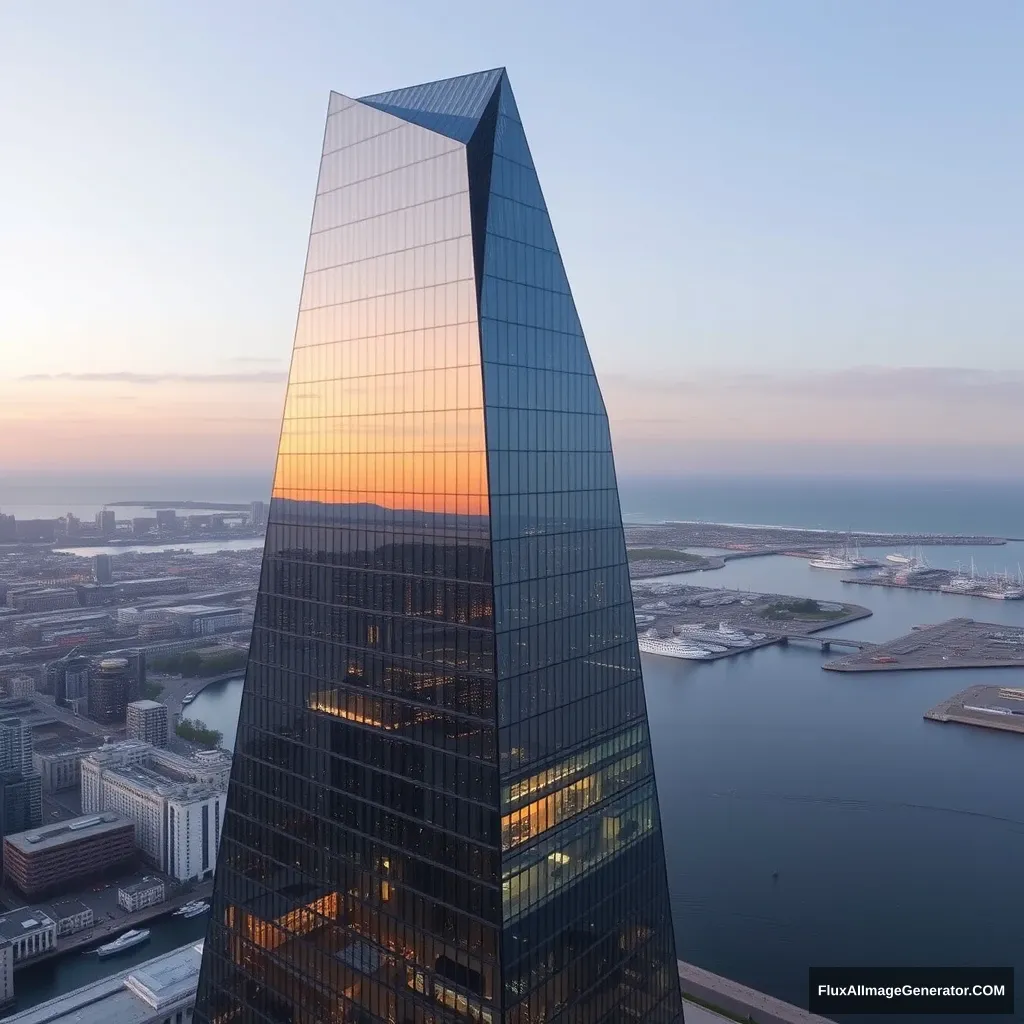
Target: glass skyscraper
column 442, row 806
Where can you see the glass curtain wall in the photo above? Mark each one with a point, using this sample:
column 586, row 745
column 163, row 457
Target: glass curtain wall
column 442, row 803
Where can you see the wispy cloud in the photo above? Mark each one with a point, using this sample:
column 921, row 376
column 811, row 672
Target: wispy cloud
column 128, row 377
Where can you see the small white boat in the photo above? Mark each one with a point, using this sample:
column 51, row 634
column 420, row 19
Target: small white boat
column 188, row 698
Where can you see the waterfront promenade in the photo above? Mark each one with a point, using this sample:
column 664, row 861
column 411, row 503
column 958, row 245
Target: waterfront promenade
column 722, row 999
column 982, row 705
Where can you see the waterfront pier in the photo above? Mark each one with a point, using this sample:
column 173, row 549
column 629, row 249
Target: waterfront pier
column 710, row 997
column 985, row 706
column 957, row 643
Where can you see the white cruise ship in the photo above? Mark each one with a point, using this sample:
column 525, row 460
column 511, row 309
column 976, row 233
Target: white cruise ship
column 673, row 649
column 704, row 637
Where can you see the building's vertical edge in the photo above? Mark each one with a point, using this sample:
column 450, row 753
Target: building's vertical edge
column 479, row 160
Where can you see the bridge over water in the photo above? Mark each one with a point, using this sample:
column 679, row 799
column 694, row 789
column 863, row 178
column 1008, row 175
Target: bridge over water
column 826, row 643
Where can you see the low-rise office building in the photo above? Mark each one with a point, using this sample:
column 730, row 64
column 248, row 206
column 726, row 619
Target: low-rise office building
column 21, row 685
column 30, row 933
column 158, row 991
column 147, row 892
column 71, row 916
column 59, row 857
column 95, row 595
column 152, row 586
column 45, row 599
column 204, row 619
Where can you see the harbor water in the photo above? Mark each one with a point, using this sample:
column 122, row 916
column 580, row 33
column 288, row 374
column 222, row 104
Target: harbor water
column 43, row 981
column 814, row 817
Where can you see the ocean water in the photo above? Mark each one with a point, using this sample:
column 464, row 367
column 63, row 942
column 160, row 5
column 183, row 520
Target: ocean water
column 49, row 499
column 991, row 508
column 974, row 507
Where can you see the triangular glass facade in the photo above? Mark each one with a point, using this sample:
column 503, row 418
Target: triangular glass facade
column 442, row 805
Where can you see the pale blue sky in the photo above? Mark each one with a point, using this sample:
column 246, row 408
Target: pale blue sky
column 818, row 182
column 769, row 186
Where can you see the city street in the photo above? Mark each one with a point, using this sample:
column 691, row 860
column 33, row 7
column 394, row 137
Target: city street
column 79, row 722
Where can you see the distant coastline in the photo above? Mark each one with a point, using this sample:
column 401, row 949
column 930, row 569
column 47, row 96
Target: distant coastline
column 206, row 506
column 737, row 535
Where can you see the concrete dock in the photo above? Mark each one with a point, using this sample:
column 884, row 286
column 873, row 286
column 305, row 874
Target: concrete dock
column 719, row 998
column 935, row 587
column 988, row 707
column 958, row 643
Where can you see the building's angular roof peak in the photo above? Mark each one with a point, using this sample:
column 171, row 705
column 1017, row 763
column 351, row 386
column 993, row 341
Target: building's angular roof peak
column 450, row 107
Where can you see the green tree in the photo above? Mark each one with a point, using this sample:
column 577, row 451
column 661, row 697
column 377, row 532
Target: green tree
column 197, row 731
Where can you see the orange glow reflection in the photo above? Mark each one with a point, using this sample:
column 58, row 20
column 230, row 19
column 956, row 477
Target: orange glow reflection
column 409, row 441
column 300, row 921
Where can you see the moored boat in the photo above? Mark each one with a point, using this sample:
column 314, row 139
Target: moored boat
column 835, row 562
column 123, row 943
column 673, row 649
